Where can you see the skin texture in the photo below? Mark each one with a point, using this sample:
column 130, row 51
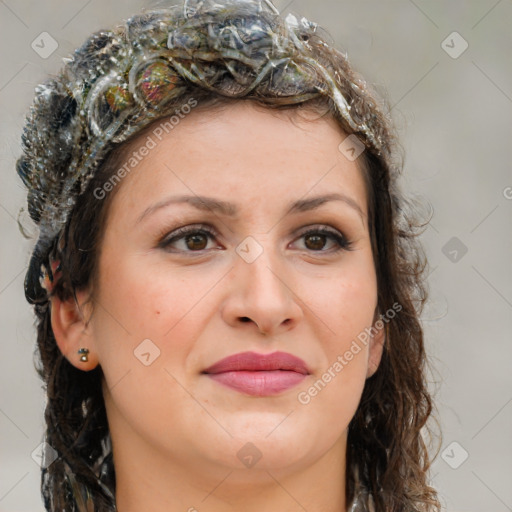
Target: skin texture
column 175, row 432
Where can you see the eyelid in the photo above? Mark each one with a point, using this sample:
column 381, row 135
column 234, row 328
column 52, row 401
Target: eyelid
column 166, row 236
column 342, row 240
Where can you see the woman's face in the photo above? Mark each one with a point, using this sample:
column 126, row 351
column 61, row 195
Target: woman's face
column 244, row 278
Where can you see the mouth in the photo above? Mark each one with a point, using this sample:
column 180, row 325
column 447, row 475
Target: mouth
column 259, row 374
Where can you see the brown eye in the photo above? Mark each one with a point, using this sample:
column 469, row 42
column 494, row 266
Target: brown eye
column 188, row 239
column 317, row 239
column 316, row 242
column 196, row 242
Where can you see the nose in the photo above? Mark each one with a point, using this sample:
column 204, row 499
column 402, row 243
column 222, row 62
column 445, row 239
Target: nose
column 262, row 293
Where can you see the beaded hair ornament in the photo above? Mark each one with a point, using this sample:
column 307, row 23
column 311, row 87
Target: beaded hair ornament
column 122, row 79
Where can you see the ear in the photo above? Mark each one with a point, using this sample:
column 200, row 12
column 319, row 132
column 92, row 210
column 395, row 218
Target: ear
column 376, row 345
column 71, row 330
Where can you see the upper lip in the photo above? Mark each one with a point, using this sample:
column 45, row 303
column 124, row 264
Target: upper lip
column 252, row 361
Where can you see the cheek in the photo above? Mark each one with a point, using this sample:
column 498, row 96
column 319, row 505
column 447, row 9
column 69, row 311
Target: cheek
column 146, row 326
column 334, row 392
column 170, row 307
column 146, row 300
column 344, row 301
column 344, row 307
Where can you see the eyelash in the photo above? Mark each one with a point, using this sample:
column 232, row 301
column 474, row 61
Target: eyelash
column 342, row 242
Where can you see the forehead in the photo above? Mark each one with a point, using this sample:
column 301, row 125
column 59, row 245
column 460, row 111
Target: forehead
column 242, row 153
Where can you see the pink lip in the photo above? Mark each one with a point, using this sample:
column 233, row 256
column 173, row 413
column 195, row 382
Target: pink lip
column 259, row 374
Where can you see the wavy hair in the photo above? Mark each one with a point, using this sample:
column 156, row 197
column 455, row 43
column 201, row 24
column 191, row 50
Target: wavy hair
column 386, row 446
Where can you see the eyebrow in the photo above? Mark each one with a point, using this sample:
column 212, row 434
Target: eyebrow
column 228, row 209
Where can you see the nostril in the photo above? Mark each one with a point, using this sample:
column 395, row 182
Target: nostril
column 245, row 319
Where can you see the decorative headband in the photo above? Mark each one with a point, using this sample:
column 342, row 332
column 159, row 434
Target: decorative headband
column 122, row 79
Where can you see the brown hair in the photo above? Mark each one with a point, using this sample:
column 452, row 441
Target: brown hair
column 385, row 438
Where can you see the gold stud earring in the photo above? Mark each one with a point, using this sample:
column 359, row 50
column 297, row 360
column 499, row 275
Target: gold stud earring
column 84, row 352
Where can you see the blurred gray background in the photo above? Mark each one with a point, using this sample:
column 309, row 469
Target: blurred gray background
column 447, row 70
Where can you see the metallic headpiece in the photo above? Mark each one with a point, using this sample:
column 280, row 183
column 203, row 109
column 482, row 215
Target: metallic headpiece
column 122, row 79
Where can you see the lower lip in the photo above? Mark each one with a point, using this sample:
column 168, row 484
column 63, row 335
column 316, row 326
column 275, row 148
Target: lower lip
column 259, row 383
